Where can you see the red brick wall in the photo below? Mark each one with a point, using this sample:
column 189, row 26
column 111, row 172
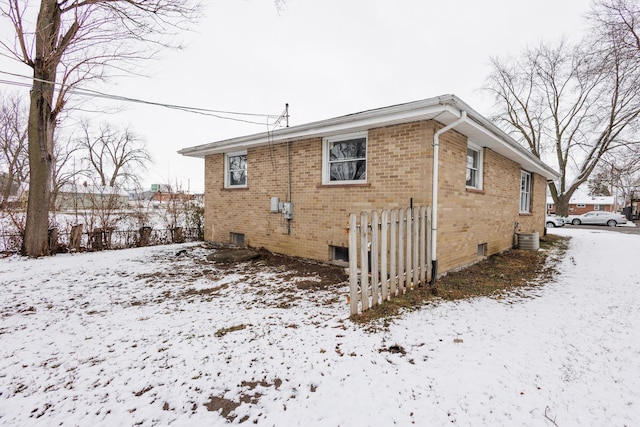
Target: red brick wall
column 573, row 209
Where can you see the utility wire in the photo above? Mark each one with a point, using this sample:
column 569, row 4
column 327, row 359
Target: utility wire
column 195, row 110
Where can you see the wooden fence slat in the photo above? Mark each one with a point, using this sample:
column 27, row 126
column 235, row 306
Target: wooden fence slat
column 393, row 254
column 373, row 255
column 401, row 265
column 384, row 281
column 364, row 260
column 353, row 263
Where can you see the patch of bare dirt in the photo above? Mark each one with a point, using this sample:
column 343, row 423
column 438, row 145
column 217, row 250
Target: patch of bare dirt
column 267, row 278
column 510, row 272
column 309, row 275
column 226, row 407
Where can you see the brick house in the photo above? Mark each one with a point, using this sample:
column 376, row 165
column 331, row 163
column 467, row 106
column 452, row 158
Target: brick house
column 580, row 203
column 377, row 159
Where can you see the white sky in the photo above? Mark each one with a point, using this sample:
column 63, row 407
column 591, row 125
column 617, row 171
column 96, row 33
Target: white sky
column 325, row 59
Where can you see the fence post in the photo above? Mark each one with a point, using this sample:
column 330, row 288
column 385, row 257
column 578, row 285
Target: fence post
column 353, row 263
column 75, row 239
column 53, row 240
column 145, row 236
column 96, row 239
column 176, row 235
column 108, row 233
column 364, row 261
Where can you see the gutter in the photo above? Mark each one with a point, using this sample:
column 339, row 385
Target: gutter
column 434, row 194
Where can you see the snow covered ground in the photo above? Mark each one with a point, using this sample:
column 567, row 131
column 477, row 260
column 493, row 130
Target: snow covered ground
column 148, row 337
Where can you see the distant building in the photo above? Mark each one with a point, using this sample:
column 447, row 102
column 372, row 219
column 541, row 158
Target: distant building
column 86, row 197
column 162, row 193
column 581, row 203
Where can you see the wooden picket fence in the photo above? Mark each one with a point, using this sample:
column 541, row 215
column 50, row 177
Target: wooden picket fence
column 389, row 253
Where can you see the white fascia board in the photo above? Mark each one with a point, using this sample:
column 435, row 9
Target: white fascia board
column 445, row 109
column 500, row 142
column 510, row 149
column 403, row 113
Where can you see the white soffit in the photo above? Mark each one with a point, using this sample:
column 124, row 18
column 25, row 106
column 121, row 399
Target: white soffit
column 444, row 109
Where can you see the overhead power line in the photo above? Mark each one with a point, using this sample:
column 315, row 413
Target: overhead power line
column 188, row 109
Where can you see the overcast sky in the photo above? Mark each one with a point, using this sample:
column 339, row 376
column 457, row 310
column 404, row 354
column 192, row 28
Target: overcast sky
column 325, row 58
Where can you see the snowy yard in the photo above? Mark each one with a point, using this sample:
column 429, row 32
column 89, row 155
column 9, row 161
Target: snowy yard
column 152, row 337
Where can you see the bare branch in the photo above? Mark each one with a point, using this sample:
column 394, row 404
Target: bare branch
column 577, row 102
column 116, row 156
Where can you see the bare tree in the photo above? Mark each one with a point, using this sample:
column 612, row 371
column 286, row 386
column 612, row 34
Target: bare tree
column 600, row 182
column 618, row 174
column 569, row 104
column 73, row 42
column 65, row 168
column 621, row 20
column 14, row 165
column 114, row 155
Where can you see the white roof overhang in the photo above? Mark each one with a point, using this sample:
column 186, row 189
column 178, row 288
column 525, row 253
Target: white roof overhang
column 444, row 109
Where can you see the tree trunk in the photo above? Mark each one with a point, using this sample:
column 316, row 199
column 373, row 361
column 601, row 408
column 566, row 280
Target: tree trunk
column 8, row 184
column 41, row 126
column 40, row 164
column 562, row 207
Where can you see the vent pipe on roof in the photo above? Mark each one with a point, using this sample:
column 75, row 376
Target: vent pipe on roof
column 434, row 195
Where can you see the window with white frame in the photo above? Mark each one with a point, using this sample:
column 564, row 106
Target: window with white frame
column 235, row 170
column 525, row 192
column 474, row 166
column 596, row 207
column 344, row 159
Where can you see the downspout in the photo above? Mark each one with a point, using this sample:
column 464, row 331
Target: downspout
column 288, row 181
column 434, row 195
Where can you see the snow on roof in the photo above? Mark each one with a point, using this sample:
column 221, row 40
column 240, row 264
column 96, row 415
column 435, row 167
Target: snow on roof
column 93, row 189
column 584, row 199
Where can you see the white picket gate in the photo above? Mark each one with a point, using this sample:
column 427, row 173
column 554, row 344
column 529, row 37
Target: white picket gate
column 389, row 253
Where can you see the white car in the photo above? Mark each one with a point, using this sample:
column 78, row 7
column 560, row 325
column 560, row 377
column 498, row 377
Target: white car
column 611, row 219
column 553, row 221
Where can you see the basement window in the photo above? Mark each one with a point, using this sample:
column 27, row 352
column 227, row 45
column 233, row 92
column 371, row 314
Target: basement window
column 237, row 239
column 339, row 254
column 482, row 250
